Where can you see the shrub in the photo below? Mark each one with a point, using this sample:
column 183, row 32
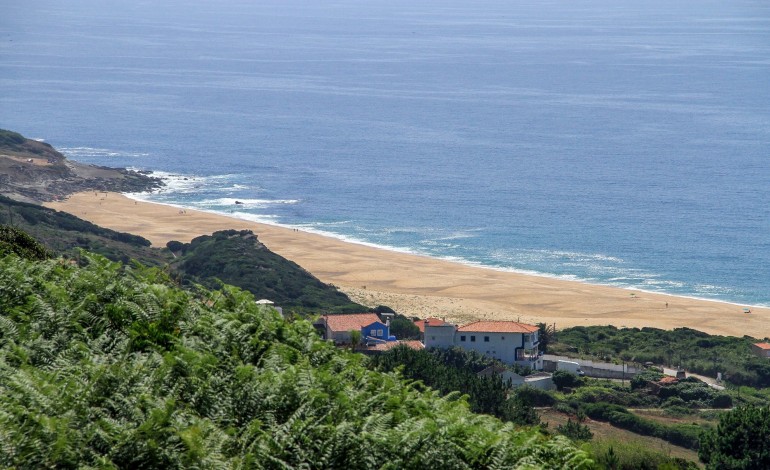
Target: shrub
column 575, row 431
column 642, row 379
column 602, row 394
column 535, row 396
column 678, row 411
column 563, row 407
column 518, row 410
column 722, row 400
column 175, row 246
column 563, row 378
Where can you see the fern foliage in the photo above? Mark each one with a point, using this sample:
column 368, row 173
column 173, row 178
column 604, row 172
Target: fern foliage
column 112, row 366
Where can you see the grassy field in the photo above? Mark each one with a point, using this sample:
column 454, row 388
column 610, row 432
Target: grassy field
column 606, row 432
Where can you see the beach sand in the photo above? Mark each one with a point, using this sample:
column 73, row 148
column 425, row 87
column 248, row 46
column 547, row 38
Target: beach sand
column 421, row 286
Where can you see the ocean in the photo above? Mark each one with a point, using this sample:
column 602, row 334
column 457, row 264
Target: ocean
column 612, row 142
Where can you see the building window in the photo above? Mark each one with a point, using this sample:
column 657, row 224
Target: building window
column 379, row 332
column 473, row 339
column 462, row 338
column 486, row 339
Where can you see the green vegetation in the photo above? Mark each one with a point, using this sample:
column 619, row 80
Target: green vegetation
column 575, row 431
column 741, row 441
column 10, row 139
column 449, row 371
column 563, row 378
column 685, row 435
column 235, row 258
column 63, row 233
column 404, row 328
column 14, row 241
column 238, row 258
column 693, row 350
column 614, row 454
column 113, row 367
column 455, row 371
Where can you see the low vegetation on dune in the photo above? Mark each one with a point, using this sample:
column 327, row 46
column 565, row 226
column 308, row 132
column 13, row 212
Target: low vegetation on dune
column 238, row 258
column 110, row 366
column 230, row 257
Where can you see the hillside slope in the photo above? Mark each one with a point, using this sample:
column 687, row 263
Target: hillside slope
column 109, row 366
column 238, row 260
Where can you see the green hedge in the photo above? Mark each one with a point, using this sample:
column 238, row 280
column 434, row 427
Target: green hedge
column 685, row 435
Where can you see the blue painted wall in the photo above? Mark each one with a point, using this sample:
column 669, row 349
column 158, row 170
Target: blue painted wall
column 373, row 329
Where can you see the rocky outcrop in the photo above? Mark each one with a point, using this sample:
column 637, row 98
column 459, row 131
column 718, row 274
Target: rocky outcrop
column 33, row 171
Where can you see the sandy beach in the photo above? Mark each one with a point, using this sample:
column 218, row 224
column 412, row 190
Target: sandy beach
column 423, row 286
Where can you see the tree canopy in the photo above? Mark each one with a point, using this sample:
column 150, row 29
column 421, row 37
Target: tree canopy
column 741, row 441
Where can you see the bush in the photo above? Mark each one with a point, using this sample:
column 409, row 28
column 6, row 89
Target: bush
column 575, row 431
column 598, row 394
column 563, row 378
column 722, row 400
column 642, row 379
column 678, row 411
column 520, row 411
column 535, row 396
column 175, row 246
column 566, row 408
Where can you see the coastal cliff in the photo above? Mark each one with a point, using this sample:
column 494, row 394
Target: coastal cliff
column 32, row 171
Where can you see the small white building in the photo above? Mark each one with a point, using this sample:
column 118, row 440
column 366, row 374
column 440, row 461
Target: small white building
column 509, row 377
column 510, row 342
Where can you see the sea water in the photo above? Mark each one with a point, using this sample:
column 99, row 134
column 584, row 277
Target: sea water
column 614, row 142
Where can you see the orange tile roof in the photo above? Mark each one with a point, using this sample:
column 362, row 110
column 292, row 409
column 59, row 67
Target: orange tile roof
column 354, row 321
column 498, row 327
column 431, row 322
column 762, row 345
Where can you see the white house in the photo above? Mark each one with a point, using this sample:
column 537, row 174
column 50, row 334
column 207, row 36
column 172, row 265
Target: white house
column 510, row 342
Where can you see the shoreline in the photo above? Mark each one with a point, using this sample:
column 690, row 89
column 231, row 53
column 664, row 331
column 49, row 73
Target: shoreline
column 419, row 285
column 448, row 259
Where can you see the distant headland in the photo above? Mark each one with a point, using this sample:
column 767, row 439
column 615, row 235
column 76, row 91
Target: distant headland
column 33, row 171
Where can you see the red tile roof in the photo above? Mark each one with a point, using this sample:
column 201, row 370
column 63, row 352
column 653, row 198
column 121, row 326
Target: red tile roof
column 762, row 345
column 431, row 322
column 498, row 327
column 354, row 321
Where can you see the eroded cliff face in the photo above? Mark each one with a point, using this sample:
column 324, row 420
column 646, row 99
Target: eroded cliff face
column 33, row 171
